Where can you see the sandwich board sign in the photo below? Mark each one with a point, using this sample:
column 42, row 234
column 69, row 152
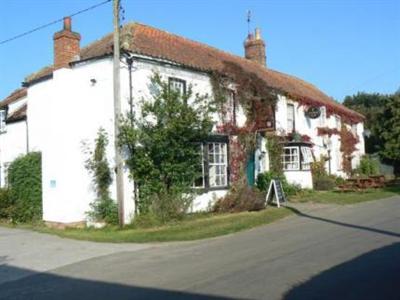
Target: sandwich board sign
column 275, row 190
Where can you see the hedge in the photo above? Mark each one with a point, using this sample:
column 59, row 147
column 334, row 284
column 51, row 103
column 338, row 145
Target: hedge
column 25, row 184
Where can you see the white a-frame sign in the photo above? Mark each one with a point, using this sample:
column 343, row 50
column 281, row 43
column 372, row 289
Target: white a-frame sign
column 275, row 190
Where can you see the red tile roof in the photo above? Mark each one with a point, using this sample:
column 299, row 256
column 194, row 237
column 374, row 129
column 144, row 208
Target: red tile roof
column 156, row 43
column 14, row 96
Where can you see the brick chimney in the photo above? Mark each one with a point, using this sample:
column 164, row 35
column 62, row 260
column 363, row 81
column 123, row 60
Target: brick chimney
column 66, row 45
column 254, row 48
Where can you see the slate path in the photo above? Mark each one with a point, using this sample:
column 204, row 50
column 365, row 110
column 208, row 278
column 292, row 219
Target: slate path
column 323, row 252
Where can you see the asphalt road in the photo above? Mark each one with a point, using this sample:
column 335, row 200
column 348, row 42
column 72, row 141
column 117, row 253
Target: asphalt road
column 349, row 252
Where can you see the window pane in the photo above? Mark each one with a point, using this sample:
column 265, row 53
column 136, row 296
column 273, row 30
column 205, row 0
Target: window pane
column 199, row 181
column 291, row 158
column 217, row 164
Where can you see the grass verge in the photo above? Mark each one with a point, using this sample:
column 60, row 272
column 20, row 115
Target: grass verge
column 336, row 197
column 205, row 226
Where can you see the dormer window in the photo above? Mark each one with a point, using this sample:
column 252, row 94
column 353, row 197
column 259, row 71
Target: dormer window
column 178, row 85
column 3, row 116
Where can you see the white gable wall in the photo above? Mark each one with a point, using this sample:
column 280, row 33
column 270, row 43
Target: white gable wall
column 13, row 143
column 69, row 109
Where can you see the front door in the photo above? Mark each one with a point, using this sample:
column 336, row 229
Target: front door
column 250, row 169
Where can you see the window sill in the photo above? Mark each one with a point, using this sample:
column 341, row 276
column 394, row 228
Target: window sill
column 210, row 189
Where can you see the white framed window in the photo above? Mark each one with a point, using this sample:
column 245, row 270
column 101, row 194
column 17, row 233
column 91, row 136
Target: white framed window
column 291, row 158
column 230, row 107
column 290, row 118
column 354, row 129
column 199, row 182
column 212, row 166
column 3, row 116
column 217, row 164
column 306, row 158
column 338, row 122
column 322, row 117
column 296, row 158
column 177, row 84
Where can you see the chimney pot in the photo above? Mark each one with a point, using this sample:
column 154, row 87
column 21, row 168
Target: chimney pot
column 254, row 48
column 67, row 23
column 66, row 45
column 258, row 34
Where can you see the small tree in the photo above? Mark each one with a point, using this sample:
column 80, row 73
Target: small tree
column 163, row 147
column 103, row 208
column 390, row 131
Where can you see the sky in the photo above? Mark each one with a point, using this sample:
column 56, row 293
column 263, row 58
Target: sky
column 341, row 46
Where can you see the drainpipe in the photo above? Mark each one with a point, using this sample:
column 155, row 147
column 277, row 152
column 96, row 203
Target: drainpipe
column 329, row 162
column 27, row 135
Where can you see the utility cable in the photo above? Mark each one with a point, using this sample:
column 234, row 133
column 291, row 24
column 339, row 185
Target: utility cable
column 52, row 23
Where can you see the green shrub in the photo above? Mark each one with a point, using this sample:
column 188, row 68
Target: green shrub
column 338, row 179
column 367, row 166
column 147, row 220
column 264, row 179
column 321, row 180
column 25, row 183
column 104, row 209
column 240, row 198
column 6, row 204
column 324, row 183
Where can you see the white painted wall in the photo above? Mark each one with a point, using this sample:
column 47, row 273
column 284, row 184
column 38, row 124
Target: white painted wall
column 13, row 141
column 301, row 178
column 307, row 126
column 13, row 144
column 67, row 110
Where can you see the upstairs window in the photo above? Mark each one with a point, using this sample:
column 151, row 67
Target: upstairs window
column 229, row 109
column 354, row 129
column 2, row 120
column 290, row 118
column 178, row 85
column 322, row 117
column 338, row 123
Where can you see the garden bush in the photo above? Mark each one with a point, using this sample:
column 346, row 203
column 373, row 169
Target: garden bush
column 367, row 166
column 241, row 198
column 264, row 179
column 6, row 204
column 25, row 184
column 321, row 180
column 324, row 183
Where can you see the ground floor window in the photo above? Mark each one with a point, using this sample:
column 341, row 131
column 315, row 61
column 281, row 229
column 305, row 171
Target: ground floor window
column 213, row 164
column 297, row 157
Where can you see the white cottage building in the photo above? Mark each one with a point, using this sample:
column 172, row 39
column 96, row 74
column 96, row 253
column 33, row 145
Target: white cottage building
column 62, row 106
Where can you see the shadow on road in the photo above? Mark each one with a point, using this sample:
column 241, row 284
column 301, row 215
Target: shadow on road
column 301, row 214
column 374, row 275
column 51, row 286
